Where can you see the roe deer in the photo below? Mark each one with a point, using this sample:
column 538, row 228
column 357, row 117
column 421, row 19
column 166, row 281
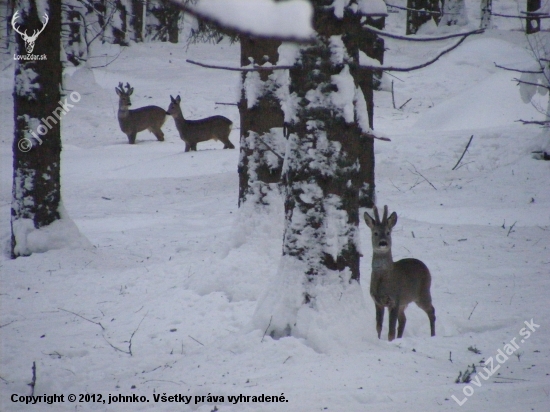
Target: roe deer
column 196, row 131
column 396, row 284
column 134, row 121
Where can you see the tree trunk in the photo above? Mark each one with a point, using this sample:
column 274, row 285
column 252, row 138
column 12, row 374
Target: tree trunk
column 37, row 135
column 532, row 25
column 261, row 124
column 317, row 284
column 136, row 21
column 486, row 17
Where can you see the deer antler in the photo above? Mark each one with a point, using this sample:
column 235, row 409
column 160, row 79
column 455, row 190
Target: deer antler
column 13, row 20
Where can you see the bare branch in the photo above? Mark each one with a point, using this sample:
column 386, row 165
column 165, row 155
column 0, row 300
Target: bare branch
column 530, row 15
column 420, row 66
column 408, row 38
column 80, row 316
column 538, row 122
column 239, row 69
column 463, row 153
column 531, row 83
column 518, row 70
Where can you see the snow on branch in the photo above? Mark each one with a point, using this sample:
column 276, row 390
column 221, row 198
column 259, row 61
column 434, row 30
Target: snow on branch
column 289, row 20
column 239, row 69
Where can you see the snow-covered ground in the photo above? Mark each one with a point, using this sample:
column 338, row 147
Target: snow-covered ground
column 161, row 303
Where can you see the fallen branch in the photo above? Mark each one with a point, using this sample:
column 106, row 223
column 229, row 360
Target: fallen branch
column 537, row 122
column 268, row 325
column 463, row 153
column 510, row 230
column 129, row 351
column 200, row 343
column 403, row 105
column 80, row 316
column 227, row 104
column 421, row 175
column 475, row 306
column 33, row 381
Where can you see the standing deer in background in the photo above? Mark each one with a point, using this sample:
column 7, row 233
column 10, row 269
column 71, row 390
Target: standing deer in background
column 396, row 284
column 196, row 131
column 134, row 121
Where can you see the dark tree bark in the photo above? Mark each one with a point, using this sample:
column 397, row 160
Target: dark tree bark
column 137, row 20
column 417, row 14
column 532, row 25
column 37, row 143
column 259, row 168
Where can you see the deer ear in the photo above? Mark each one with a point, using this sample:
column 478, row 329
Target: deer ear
column 178, row 99
column 369, row 220
column 131, row 91
column 117, row 91
column 172, row 99
column 392, row 220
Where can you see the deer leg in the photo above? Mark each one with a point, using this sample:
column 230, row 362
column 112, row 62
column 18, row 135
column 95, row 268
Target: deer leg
column 393, row 321
column 227, row 144
column 402, row 320
column 379, row 318
column 430, row 311
column 159, row 135
column 132, row 138
column 187, row 147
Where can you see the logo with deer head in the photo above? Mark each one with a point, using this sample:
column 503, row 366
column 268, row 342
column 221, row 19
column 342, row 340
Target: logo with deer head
column 29, row 40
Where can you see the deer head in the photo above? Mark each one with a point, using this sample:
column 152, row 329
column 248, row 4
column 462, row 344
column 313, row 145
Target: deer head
column 29, row 40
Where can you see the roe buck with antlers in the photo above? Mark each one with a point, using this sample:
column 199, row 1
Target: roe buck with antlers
column 396, row 284
column 134, row 121
column 196, row 131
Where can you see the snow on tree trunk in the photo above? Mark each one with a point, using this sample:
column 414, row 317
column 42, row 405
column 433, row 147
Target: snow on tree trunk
column 486, row 10
column 316, row 293
column 36, row 207
column 262, row 145
column 454, row 13
column 417, row 14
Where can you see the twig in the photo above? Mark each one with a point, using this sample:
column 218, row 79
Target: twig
column 80, row 316
column 287, row 359
column 33, row 381
column 392, row 95
column 475, row 306
column 6, row 324
column 409, row 38
column 196, row 340
column 463, row 153
column 227, row 104
column 450, row 357
column 537, row 122
column 271, row 150
column 421, row 175
column 269, row 324
column 510, row 230
column 419, row 66
column 114, row 347
column 518, row 70
column 129, row 351
column 403, row 105
column 239, row 69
